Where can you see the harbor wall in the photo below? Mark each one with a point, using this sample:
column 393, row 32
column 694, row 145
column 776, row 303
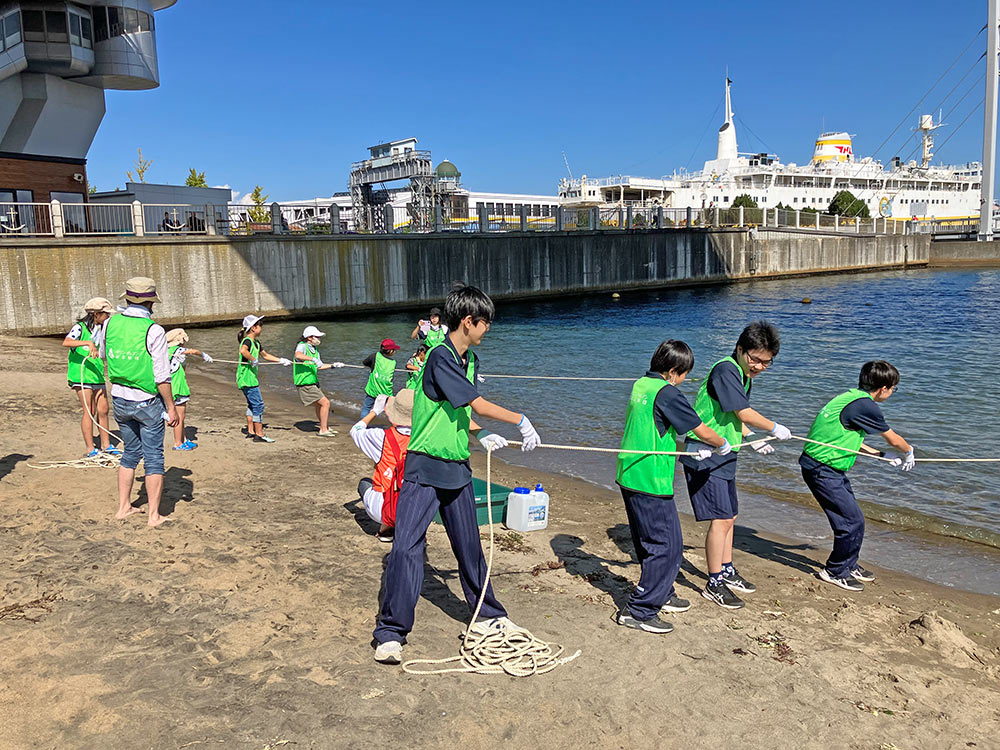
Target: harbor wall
column 964, row 253
column 44, row 284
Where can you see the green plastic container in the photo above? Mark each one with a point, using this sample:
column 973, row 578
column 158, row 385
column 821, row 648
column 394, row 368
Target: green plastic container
column 499, row 502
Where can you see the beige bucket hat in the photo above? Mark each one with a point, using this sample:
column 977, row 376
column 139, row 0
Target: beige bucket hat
column 98, row 304
column 399, row 408
column 140, row 289
column 176, row 337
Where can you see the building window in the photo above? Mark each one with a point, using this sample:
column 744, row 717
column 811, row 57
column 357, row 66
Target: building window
column 12, row 29
column 116, row 22
column 34, row 25
column 795, row 200
column 55, row 26
column 100, row 24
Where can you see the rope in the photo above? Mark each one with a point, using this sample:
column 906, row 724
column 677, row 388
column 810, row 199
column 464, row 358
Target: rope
column 845, row 450
column 521, row 377
column 515, row 652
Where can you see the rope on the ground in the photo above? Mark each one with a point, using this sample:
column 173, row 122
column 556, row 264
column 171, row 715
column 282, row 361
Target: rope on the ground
column 513, row 651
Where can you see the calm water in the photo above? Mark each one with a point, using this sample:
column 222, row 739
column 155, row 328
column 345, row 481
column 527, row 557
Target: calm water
column 937, row 327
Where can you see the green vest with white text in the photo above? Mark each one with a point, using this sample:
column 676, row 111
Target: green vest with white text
column 306, row 373
column 380, row 381
column 81, row 369
column 439, row 429
column 725, row 423
column 129, row 361
column 178, row 378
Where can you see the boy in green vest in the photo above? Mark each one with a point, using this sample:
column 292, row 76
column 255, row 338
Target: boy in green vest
column 723, row 403
column 657, row 413
column 178, row 353
column 437, row 476
column 844, row 422
column 247, row 379
column 383, row 366
column 305, row 375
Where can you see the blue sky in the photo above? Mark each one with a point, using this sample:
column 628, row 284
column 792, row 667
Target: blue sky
column 288, row 94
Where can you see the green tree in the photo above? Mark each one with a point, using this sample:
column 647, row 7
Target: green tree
column 745, row 201
column 845, row 204
column 196, row 179
column 92, row 189
column 142, row 166
column 259, row 213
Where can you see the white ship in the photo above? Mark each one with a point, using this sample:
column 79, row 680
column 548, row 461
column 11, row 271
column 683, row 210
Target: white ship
column 911, row 190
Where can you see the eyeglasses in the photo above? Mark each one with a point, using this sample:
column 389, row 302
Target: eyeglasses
column 483, row 320
column 752, row 360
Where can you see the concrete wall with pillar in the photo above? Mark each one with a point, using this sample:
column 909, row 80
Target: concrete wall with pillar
column 202, row 279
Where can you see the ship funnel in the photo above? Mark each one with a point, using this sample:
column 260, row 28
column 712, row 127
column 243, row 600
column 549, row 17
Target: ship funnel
column 833, row 147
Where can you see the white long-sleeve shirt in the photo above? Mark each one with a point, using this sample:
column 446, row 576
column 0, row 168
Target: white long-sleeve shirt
column 156, row 345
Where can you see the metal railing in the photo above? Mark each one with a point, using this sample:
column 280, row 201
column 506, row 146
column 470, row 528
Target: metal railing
column 238, row 219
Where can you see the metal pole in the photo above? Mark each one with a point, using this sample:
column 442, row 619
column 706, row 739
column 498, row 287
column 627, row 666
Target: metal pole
column 989, row 124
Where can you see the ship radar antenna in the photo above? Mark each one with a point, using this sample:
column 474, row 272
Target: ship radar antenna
column 927, row 126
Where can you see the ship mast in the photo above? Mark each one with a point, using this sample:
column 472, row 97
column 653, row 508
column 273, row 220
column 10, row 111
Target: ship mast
column 990, row 124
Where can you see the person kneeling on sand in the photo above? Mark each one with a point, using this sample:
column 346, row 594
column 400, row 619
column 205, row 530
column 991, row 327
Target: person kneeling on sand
column 387, row 448
column 139, row 370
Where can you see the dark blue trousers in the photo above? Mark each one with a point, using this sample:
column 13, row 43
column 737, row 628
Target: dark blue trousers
column 404, row 570
column 832, row 490
column 656, row 534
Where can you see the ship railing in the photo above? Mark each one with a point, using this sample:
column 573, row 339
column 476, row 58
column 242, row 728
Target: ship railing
column 26, row 219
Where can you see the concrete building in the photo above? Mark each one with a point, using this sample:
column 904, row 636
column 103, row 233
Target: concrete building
column 56, row 60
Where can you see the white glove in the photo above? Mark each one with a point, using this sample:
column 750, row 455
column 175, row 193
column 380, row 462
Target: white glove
column 254, row 362
column 336, row 365
column 908, row 461
column 762, row 448
column 207, row 358
column 702, row 454
column 492, row 441
column 724, row 450
column 896, row 462
column 781, row 432
column 284, row 362
column 380, row 403
column 480, row 378
column 529, row 435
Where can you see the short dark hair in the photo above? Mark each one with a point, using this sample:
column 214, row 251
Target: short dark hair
column 877, row 374
column 672, row 355
column 422, row 349
column 464, row 301
column 759, row 335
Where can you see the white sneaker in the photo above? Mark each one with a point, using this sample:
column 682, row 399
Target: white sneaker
column 389, row 652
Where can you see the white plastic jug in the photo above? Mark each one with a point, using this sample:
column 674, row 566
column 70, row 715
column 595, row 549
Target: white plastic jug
column 527, row 510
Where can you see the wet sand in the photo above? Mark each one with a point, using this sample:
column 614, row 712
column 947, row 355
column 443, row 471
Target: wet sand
column 246, row 621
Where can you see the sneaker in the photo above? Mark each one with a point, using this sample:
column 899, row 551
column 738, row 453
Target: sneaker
column 385, row 536
column 676, row 604
column 328, row 433
column 862, row 575
column 93, row 452
column 112, row 451
column 389, row 652
column 653, row 625
column 848, row 583
column 185, row 447
column 191, row 444
column 722, row 595
column 262, row 439
column 737, row 582
column 495, row 625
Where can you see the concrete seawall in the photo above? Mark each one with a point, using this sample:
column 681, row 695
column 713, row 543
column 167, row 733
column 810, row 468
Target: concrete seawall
column 965, row 253
column 43, row 285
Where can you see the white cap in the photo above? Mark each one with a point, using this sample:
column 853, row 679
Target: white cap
column 312, row 331
column 250, row 321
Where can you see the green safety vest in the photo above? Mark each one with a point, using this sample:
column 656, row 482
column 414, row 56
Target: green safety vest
column 725, row 423
column 380, row 381
column 246, row 373
column 651, row 475
column 439, row 429
column 129, row 361
column 306, row 373
column 178, row 379
column 434, row 337
column 414, row 375
column 81, row 369
column 827, row 428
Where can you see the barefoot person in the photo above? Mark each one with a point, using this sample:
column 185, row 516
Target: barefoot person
column 139, row 370
column 723, row 403
column 85, row 374
column 438, row 477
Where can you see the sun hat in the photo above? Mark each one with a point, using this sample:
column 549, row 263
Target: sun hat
column 140, row 289
column 312, row 331
column 399, row 408
column 251, row 320
column 98, row 304
column 389, row 344
column 176, row 337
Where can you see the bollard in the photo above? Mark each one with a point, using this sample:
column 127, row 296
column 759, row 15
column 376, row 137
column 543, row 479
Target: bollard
column 741, row 215
column 628, row 217
column 276, row 227
column 690, row 216
column 58, row 228
column 138, row 225
column 797, row 219
column 595, row 218
column 621, row 218
column 334, row 218
column 524, row 217
column 857, row 225
column 484, row 219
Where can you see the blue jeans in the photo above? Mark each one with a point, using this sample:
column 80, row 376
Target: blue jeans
column 367, row 406
column 142, row 428
column 255, row 403
column 656, row 536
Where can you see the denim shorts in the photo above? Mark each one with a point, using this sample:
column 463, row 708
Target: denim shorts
column 255, row 403
column 142, row 428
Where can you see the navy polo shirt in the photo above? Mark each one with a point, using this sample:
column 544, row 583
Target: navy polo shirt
column 444, row 380
column 725, row 385
column 861, row 414
column 670, row 408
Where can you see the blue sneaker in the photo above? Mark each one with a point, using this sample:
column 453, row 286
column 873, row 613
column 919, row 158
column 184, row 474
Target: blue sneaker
column 93, row 452
column 112, row 451
column 191, row 444
column 184, row 447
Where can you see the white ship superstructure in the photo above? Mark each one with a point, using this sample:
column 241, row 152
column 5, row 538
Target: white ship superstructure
column 903, row 190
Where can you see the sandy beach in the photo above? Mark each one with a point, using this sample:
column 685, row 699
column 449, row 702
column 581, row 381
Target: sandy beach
column 246, row 621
